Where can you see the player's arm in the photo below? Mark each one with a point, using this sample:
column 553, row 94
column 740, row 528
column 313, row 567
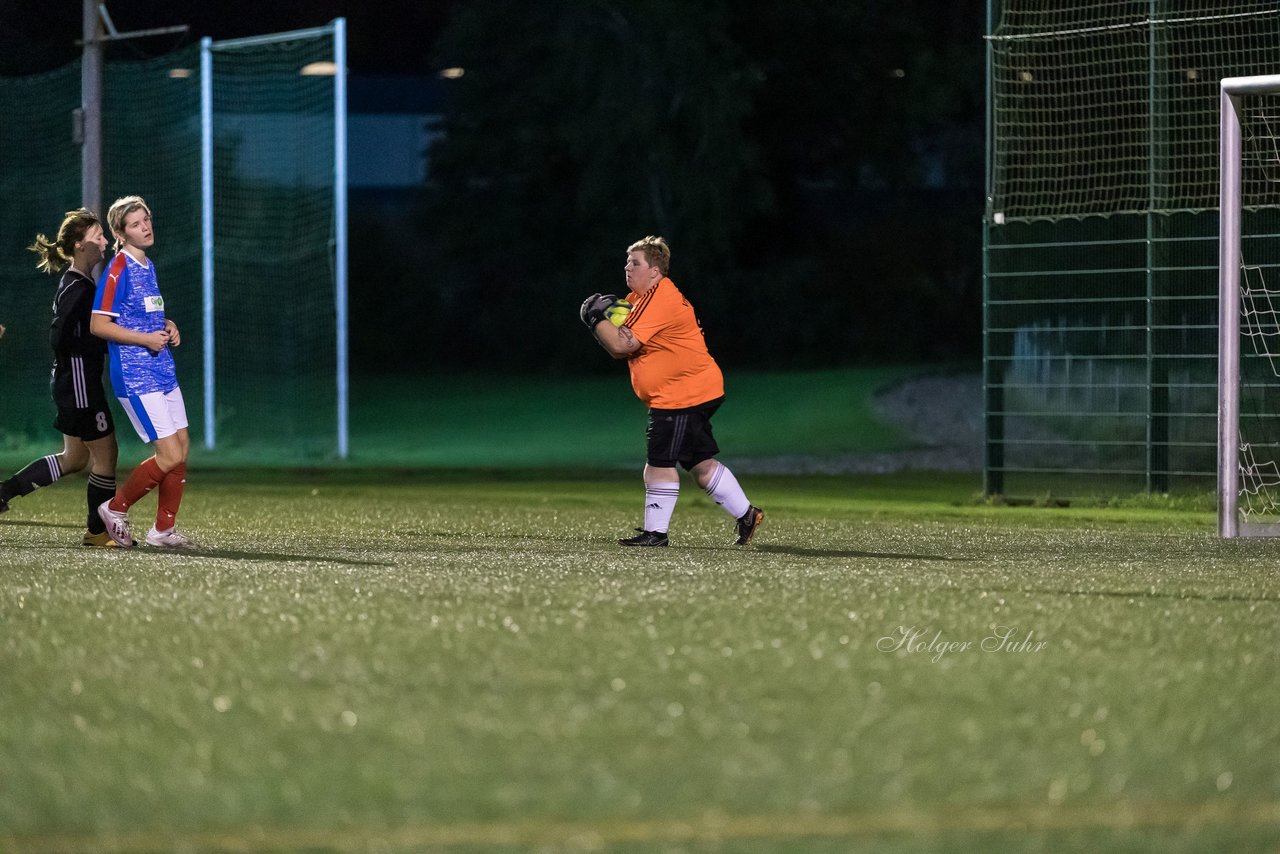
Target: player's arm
column 604, row 315
column 617, row 340
column 171, row 329
column 105, row 326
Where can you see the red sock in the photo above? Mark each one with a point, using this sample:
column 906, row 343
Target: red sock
column 170, row 496
column 143, row 480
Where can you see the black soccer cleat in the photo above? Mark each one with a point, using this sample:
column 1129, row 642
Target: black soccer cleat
column 646, row 538
column 4, row 505
column 747, row 524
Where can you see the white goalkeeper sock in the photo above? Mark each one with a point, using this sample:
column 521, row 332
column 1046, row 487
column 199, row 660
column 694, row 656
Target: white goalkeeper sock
column 659, row 504
column 725, row 491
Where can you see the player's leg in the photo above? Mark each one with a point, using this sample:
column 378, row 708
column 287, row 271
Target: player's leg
column 661, row 492
column 723, row 487
column 94, row 430
column 101, row 487
column 44, row 471
column 717, row 480
column 149, row 416
column 74, row 456
column 661, row 478
column 171, row 454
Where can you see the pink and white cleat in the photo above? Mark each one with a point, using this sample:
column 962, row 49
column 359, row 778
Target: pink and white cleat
column 117, row 524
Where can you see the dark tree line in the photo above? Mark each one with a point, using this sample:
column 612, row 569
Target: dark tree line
column 816, row 166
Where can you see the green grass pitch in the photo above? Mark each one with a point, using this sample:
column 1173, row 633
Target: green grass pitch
column 465, row 661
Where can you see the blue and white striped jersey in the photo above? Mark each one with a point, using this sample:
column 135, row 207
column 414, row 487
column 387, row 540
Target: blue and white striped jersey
column 128, row 291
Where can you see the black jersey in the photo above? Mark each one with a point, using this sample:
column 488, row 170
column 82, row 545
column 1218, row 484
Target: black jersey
column 78, row 355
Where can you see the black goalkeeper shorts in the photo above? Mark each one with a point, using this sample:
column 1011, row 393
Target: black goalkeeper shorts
column 682, row 436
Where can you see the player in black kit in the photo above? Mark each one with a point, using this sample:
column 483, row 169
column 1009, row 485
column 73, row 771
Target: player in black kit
column 83, row 417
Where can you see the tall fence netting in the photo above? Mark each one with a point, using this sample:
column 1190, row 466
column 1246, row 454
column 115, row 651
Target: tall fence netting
column 273, row 196
column 1100, row 314
column 273, row 135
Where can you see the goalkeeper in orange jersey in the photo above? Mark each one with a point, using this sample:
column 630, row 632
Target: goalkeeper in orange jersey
column 656, row 331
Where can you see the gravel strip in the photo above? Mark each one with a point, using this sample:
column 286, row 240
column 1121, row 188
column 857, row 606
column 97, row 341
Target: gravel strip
column 943, row 413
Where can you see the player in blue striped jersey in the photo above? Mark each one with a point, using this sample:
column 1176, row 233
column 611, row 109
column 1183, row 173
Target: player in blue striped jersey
column 83, row 416
column 128, row 311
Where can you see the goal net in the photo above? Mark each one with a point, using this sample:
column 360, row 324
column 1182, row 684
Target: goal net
column 1100, row 347
column 1249, row 280
column 236, row 148
column 150, row 147
column 274, row 269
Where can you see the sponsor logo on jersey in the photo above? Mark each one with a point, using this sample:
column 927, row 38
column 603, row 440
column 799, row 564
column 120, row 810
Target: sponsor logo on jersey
column 155, row 303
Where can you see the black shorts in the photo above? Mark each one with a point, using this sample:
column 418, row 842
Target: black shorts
column 682, row 436
column 85, row 424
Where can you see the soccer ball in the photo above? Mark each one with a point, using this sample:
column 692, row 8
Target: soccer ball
column 617, row 312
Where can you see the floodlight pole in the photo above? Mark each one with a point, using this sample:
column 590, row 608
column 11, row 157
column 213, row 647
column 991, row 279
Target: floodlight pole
column 90, row 119
column 96, row 31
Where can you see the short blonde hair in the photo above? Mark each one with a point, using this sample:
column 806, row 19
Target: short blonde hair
column 120, row 209
column 656, row 252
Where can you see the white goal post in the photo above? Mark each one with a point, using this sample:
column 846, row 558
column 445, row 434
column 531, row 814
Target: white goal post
column 1240, row 472
column 273, row 153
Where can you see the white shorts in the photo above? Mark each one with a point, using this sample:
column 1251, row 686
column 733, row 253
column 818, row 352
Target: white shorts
column 155, row 415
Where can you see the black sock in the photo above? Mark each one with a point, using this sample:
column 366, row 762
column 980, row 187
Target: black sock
column 42, row 472
column 102, row 487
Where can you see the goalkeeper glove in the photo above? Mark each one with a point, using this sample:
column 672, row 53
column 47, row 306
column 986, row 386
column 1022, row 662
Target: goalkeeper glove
column 594, row 308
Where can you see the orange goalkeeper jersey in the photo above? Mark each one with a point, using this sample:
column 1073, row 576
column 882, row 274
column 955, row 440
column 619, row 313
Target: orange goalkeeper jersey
column 673, row 370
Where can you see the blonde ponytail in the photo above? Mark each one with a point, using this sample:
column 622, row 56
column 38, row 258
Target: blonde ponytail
column 56, row 254
column 51, row 258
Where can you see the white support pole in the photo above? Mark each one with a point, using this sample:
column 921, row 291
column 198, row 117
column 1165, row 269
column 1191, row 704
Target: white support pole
column 1262, row 84
column 206, row 236
column 275, row 38
column 340, row 220
column 1229, row 261
column 1228, row 315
